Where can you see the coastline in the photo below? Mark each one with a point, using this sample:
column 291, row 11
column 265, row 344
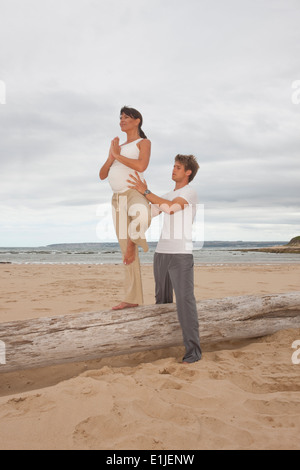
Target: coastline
column 242, row 395
column 218, row 252
column 273, row 249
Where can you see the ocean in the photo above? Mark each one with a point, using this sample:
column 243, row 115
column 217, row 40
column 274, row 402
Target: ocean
column 212, row 253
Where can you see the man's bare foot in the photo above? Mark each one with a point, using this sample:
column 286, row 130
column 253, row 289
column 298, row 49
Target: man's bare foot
column 123, row 305
column 129, row 256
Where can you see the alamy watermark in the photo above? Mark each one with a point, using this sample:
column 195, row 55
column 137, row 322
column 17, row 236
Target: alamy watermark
column 2, row 353
column 296, row 93
column 296, row 354
column 2, row 92
column 133, row 222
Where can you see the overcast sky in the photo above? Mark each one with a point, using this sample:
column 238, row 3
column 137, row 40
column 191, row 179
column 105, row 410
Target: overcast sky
column 218, row 78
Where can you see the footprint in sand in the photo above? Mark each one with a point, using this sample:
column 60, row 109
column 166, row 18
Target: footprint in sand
column 170, row 384
column 28, row 404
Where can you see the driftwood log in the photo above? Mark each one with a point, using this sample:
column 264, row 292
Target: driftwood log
column 80, row 337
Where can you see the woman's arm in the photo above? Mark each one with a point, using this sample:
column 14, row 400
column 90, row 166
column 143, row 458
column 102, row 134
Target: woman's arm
column 103, row 174
column 141, row 164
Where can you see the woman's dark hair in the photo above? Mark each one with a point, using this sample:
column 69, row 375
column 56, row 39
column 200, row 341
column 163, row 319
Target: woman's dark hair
column 135, row 114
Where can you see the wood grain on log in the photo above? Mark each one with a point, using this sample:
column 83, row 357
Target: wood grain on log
column 80, row 337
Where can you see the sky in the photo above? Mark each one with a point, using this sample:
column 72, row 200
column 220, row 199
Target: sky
column 219, row 79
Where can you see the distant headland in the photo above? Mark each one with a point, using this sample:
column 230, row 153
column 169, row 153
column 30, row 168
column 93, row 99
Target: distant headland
column 293, row 246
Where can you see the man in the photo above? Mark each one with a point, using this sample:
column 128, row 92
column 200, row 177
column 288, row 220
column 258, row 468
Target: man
column 173, row 259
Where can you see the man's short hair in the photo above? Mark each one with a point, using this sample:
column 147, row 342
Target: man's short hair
column 190, row 163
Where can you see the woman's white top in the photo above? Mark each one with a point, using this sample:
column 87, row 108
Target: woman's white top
column 119, row 173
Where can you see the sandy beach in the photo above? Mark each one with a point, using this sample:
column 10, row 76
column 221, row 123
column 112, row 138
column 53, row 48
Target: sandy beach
column 242, row 395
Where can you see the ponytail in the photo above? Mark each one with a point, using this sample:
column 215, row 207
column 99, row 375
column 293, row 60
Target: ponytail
column 142, row 133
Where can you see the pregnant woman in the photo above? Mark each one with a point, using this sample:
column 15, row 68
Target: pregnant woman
column 131, row 210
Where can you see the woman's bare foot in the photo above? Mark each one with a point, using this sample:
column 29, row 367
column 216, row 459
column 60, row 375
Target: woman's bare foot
column 123, row 305
column 129, row 256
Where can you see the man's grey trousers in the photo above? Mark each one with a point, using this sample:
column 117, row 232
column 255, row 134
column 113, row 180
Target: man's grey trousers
column 176, row 271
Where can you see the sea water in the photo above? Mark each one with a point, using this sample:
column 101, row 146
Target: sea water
column 212, row 253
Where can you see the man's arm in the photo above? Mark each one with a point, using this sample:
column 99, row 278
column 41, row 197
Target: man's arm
column 177, row 204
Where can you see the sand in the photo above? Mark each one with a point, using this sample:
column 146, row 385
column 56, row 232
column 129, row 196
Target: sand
column 242, row 395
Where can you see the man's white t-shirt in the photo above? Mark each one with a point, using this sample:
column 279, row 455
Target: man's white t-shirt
column 176, row 235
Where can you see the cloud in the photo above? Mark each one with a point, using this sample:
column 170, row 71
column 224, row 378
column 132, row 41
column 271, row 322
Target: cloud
column 211, row 78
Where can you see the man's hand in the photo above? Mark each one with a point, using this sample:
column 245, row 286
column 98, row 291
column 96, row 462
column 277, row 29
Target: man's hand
column 137, row 183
